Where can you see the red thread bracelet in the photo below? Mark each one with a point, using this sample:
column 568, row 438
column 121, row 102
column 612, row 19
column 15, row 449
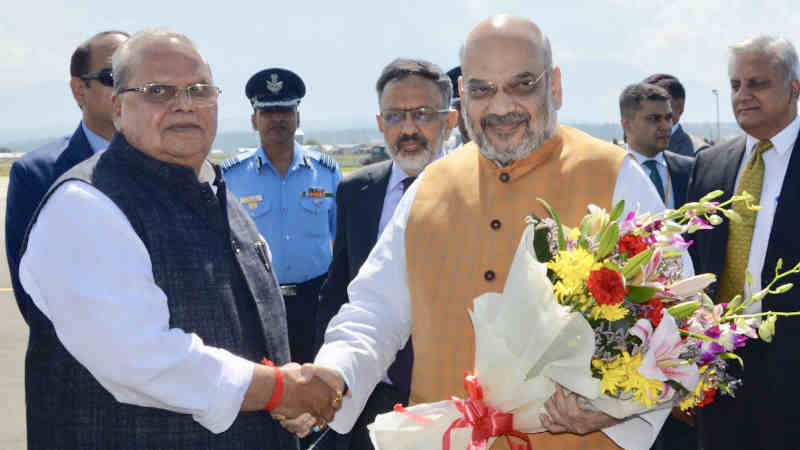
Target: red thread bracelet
column 277, row 390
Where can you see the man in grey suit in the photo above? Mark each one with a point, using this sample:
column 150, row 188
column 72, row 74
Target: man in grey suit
column 415, row 117
column 681, row 142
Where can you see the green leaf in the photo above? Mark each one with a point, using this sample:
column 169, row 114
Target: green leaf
column 608, row 240
column 540, row 245
column 671, row 254
column 616, row 213
column 729, row 355
column 640, row 294
column 586, row 224
column 683, row 310
column 634, row 265
column 562, row 243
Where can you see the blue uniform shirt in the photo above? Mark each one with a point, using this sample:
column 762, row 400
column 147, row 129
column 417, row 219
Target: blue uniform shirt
column 296, row 214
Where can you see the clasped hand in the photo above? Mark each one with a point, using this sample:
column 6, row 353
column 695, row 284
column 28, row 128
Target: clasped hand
column 312, row 395
column 564, row 415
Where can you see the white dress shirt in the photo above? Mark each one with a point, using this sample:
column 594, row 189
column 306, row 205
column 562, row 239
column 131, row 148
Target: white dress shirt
column 661, row 166
column 89, row 272
column 394, row 192
column 363, row 338
column 776, row 161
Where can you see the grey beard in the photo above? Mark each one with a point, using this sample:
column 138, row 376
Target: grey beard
column 533, row 138
column 415, row 166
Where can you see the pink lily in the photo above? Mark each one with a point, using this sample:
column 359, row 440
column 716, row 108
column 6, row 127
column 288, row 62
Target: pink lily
column 663, row 349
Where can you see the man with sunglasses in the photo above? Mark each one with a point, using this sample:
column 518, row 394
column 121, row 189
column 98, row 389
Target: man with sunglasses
column 32, row 175
column 155, row 295
column 454, row 234
column 414, row 98
column 289, row 192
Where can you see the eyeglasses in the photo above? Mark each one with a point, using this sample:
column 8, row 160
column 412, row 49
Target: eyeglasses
column 103, row 76
column 420, row 116
column 159, row 94
column 522, row 86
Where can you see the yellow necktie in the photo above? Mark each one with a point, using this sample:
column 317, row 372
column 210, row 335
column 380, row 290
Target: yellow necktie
column 737, row 252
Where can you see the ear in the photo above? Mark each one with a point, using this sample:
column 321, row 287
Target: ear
column 78, row 88
column 626, row 122
column 451, row 120
column 459, row 86
column 116, row 109
column 297, row 111
column 795, row 89
column 555, row 88
column 253, row 119
column 380, row 123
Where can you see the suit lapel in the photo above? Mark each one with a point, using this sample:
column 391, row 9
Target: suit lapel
column 782, row 243
column 77, row 151
column 727, row 182
column 680, row 180
column 374, row 191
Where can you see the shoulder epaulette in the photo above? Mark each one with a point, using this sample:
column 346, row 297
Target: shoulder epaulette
column 325, row 159
column 235, row 160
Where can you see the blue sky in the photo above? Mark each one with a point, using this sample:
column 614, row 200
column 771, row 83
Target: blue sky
column 340, row 47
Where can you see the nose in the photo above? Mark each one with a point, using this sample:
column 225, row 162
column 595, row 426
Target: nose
column 183, row 101
column 501, row 103
column 408, row 126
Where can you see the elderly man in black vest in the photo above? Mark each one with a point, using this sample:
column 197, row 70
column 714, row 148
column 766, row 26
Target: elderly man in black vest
column 155, row 295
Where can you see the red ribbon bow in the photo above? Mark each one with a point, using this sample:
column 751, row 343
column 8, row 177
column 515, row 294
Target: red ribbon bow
column 486, row 422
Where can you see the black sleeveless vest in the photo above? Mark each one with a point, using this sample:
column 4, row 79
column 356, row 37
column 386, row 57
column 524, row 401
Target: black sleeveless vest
column 208, row 259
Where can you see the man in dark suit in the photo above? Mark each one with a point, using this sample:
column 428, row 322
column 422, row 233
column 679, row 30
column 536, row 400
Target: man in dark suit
column 681, row 142
column 415, row 117
column 31, row 176
column 646, row 118
column 766, row 163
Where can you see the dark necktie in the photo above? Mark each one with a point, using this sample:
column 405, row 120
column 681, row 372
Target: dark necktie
column 652, row 166
column 407, row 182
column 400, row 370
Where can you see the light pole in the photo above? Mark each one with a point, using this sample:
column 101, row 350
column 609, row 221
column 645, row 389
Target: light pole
column 716, row 94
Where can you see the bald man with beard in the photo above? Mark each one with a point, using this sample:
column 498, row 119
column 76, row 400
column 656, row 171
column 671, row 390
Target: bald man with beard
column 454, row 234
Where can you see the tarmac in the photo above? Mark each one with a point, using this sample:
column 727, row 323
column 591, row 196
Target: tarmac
column 13, row 342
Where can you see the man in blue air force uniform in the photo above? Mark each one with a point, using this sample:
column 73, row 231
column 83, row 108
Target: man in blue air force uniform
column 289, row 193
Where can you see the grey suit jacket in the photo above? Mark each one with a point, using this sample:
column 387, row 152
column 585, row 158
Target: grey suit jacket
column 685, row 144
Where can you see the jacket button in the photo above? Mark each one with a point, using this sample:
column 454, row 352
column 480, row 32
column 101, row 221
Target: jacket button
column 496, row 224
column 504, row 177
column 489, row 275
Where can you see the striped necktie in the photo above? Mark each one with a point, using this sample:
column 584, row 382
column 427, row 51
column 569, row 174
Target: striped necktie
column 737, row 251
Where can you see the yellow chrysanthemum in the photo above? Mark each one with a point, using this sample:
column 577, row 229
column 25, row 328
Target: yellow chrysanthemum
column 608, row 312
column 574, row 234
column 706, row 382
column 572, row 268
column 622, row 375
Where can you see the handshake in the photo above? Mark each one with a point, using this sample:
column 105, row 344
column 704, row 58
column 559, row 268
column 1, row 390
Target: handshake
column 302, row 398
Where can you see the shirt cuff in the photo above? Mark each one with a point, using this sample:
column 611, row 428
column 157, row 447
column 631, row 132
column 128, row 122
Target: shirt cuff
column 232, row 385
column 339, row 357
column 638, row 432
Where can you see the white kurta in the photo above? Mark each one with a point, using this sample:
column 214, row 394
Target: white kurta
column 363, row 338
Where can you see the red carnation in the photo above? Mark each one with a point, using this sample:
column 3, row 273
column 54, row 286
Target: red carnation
column 632, row 244
column 708, row 397
column 606, row 286
column 653, row 312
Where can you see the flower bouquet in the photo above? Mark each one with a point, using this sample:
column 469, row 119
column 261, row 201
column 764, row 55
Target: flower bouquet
column 616, row 321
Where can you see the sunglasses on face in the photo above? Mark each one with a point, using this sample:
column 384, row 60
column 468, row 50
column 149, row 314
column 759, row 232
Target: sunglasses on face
column 103, row 76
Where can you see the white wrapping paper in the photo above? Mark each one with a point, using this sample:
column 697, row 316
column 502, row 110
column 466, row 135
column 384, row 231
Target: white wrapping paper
column 525, row 341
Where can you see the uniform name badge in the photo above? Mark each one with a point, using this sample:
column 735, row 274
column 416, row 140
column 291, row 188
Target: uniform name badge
column 251, row 201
